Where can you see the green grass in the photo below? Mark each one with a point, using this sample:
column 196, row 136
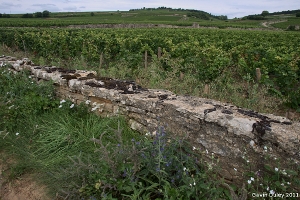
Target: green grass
column 291, row 21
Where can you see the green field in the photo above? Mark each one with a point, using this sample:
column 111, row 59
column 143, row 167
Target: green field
column 158, row 16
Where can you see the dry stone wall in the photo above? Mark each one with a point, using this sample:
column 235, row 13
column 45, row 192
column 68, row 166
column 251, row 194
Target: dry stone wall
column 232, row 135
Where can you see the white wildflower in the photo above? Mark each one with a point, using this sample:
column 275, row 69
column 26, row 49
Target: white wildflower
column 206, row 151
column 62, row 101
column 288, row 183
column 87, row 102
column 60, row 106
column 252, row 179
column 267, row 188
column 194, row 148
column 276, row 169
column 184, row 169
column 282, row 184
column 72, row 105
column 95, row 108
column 235, row 169
column 284, row 172
column 272, row 192
column 249, row 181
column 17, row 134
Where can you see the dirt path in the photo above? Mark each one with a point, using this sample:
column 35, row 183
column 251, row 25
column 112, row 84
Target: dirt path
column 22, row 188
column 269, row 23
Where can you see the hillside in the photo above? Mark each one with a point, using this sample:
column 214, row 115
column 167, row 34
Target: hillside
column 161, row 15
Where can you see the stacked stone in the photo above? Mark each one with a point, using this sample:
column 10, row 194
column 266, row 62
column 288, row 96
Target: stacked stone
column 214, row 128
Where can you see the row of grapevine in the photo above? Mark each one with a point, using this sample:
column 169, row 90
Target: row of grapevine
column 203, row 52
column 114, row 19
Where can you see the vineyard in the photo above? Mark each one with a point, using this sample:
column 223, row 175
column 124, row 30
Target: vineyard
column 157, row 16
column 204, row 53
column 258, row 71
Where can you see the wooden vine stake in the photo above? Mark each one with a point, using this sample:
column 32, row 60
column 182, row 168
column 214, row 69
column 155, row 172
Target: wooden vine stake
column 206, row 89
column 159, row 52
column 101, row 62
column 24, row 47
column 146, row 58
column 181, row 76
column 258, row 74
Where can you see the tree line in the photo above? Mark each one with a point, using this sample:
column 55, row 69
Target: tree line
column 43, row 14
column 266, row 13
column 4, row 15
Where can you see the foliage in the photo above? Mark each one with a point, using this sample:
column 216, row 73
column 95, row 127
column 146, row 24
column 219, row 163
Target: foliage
column 203, row 53
column 4, row 15
column 265, row 13
column 46, row 13
column 158, row 168
column 255, row 17
column 23, row 98
column 38, row 14
column 27, row 15
column 272, row 179
column 200, row 15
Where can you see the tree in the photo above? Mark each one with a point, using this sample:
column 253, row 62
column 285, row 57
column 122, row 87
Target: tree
column 6, row 15
column 27, row 15
column 92, row 14
column 38, row 14
column 298, row 14
column 46, row 13
column 0, row 15
column 265, row 13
